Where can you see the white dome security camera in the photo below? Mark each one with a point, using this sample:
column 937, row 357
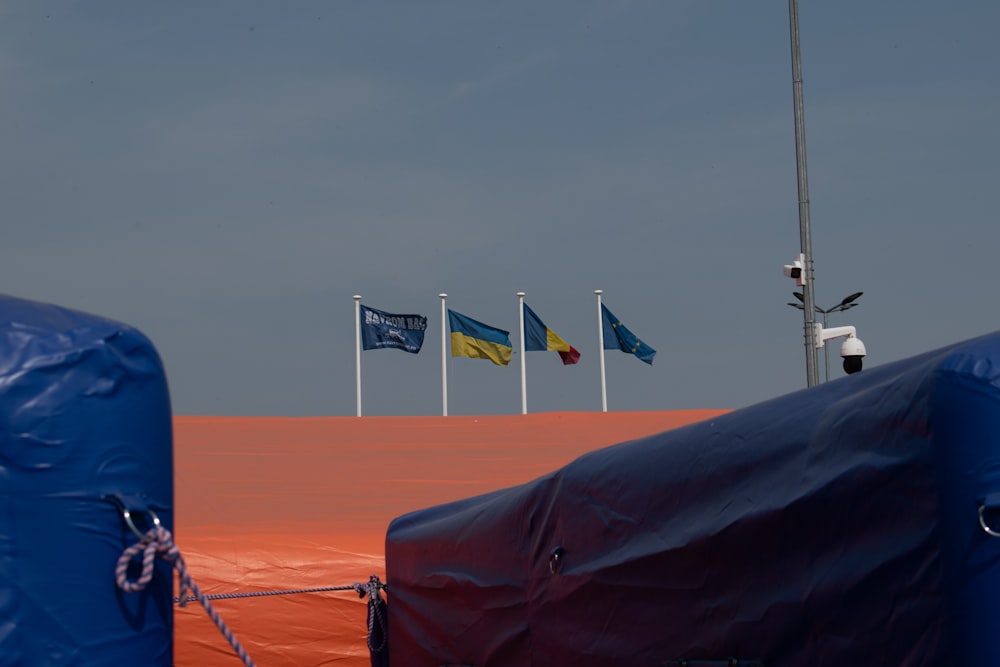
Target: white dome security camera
column 853, row 351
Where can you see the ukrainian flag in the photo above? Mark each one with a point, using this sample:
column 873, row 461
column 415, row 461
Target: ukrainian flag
column 470, row 338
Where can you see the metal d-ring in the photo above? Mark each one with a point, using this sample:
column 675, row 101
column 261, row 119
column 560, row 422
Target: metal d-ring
column 982, row 522
column 127, row 515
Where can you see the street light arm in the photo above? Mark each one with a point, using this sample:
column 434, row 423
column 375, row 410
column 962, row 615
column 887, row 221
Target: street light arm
column 851, row 298
column 845, row 304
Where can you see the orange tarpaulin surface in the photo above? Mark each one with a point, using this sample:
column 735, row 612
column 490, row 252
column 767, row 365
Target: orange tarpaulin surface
column 273, row 504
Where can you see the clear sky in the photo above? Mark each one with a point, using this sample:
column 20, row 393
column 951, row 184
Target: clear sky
column 224, row 176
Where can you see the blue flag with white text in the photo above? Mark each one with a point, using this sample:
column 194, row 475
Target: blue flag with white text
column 618, row 337
column 380, row 329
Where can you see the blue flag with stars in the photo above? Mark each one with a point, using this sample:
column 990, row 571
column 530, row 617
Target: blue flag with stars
column 618, row 337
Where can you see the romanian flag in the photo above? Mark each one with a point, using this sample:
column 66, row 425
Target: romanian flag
column 470, row 338
column 538, row 337
column 618, row 337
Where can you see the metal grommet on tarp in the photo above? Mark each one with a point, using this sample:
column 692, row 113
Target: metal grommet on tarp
column 126, row 513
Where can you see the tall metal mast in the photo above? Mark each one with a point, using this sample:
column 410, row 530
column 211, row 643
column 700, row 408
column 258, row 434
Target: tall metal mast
column 805, row 239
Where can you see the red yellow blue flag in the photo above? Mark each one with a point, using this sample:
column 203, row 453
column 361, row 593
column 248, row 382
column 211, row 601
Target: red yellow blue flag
column 538, row 337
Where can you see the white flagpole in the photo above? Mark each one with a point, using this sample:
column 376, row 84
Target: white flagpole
column 600, row 347
column 357, row 347
column 444, row 356
column 524, row 385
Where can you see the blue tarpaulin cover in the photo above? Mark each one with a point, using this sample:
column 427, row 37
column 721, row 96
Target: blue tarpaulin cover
column 84, row 424
column 846, row 524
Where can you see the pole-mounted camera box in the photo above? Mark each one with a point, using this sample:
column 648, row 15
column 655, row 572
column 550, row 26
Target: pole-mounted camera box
column 797, row 270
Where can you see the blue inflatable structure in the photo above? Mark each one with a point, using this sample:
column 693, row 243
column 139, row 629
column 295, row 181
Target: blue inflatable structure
column 854, row 523
column 85, row 433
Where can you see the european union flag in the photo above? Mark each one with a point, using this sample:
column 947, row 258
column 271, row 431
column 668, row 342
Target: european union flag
column 618, row 337
column 380, row 329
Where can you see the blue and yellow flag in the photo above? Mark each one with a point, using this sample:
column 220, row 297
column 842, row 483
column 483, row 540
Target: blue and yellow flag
column 538, row 337
column 470, row 338
column 618, row 337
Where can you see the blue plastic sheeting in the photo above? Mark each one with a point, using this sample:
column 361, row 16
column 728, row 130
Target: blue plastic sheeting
column 84, row 416
column 838, row 525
